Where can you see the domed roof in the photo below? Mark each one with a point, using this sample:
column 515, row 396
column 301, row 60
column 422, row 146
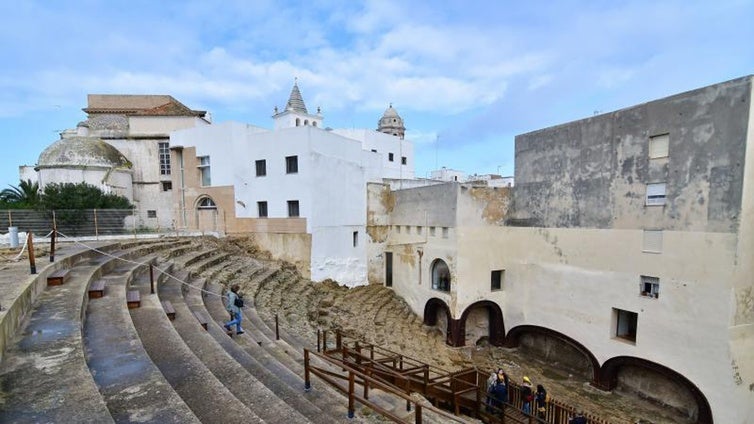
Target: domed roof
column 391, row 113
column 82, row 151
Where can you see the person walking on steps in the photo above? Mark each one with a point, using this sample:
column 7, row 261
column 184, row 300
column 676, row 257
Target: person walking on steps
column 527, row 396
column 498, row 392
column 233, row 306
column 540, row 401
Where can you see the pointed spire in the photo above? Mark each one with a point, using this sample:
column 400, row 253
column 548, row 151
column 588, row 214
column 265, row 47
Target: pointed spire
column 295, row 101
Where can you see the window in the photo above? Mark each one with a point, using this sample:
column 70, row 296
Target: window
column 374, row 150
column 388, row 269
column 432, row 231
column 408, row 229
column 398, row 229
column 403, row 160
column 355, row 238
column 418, row 230
column 167, row 185
column 390, row 157
column 314, row 123
column 655, row 194
column 298, row 122
column 496, row 279
column 444, row 232
column 151, row 214
column 261, row 168
column 206, row 203
column 652, row 241
column 625, row 324
column 649, row 286
column 293, row 208
column 262, row 209
column 204, row 170
column 658, row 146
column 164, row 153
column 306, row 122
column 440, row 276
column 291, row 164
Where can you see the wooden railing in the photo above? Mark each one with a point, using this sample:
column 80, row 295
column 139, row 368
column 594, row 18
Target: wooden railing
column 462, row 392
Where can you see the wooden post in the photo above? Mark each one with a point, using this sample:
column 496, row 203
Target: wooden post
column 52, row 244
column 30, row 243
column 307, row 381
column 351, row 409
column 318, row 340
column 96, row 226
column 418, row 414
column 151, row 278
column 277, row 331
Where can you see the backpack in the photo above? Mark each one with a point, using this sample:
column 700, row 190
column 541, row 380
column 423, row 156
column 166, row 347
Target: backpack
column 238, row 302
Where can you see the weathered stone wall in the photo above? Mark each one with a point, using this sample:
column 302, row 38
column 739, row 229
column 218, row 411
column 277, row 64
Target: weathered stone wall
column 557, row 353
column 657, row 388
column 593, row 173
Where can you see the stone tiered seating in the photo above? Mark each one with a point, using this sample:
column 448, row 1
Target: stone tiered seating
column 132, row 386
column 207, row 396
column 44, row 375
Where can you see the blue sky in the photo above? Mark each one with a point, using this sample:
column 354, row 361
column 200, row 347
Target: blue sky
column 466, row 76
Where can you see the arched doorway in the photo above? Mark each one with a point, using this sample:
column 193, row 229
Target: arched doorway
column 551, row 345
column 437, row 314
column 657, row 383
column 483, row 320
column 440, row 275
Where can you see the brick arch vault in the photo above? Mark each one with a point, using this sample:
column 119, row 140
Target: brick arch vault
column 496, row 323
column 608, row 379
column 514, row 337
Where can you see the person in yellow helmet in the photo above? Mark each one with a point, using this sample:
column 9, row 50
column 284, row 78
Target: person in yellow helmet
column 527, row 396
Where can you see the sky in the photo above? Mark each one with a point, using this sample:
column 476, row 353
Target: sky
column 466, row 76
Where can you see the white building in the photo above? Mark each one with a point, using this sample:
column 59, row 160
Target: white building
column 297, row 170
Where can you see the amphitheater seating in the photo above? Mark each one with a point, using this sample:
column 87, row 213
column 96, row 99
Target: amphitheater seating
column 58, row 277
column 133, row 299
column 97, row 289
column 169, row 309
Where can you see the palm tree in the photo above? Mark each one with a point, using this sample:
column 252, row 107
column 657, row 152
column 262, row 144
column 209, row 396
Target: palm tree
column 26, row 194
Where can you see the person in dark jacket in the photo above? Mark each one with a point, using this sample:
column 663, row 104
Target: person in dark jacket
column 498, row 392
column 540, row 400
column 527, row 396
column 579, row 418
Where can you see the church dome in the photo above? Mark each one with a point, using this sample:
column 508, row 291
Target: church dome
column 80, row 151
column 391, row 123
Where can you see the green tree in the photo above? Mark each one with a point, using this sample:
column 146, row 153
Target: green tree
column 80, row 196
column 24, row 196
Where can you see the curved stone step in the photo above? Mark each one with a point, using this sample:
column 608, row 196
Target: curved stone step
column 235, row 377
column 44, row 377
column 133, row 387
column 207, row 397
column 269, row 364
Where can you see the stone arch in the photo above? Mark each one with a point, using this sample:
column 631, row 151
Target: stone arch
column 608, row 380
column 513, row 339
column 432, row 308
column 496, row 326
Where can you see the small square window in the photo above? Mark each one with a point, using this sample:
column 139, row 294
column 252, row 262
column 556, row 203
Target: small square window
column 408, row 229
column 261, row 166
column 262, row 209
column 658, row 146
column 167, row 185
column 496, row 279
column 291, row 164
column 374, row 150
column 151, row 214
column 649, row 286
column 355, row 238
column 390, row 157
column 652, row 241
column 432, row 231
column 398, row 229
column 418, row 230
column 444, row 232
column 655, row 194
column 403, row 160
column 293, row 208
column 626, row 323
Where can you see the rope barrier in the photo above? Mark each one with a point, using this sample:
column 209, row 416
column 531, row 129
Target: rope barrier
column 163, row 271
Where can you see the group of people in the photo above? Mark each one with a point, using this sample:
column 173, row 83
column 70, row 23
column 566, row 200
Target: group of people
column 498, row 396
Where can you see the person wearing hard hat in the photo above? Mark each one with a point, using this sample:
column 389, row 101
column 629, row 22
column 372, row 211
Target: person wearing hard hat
column 527, row 396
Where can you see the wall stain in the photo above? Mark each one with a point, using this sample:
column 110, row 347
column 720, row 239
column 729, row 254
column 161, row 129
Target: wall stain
column 497, row 202
column 378, row 233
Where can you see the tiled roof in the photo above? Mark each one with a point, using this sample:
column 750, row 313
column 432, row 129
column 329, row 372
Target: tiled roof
column 140, row 104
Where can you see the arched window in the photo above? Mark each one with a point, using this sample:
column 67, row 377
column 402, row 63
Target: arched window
column 298, row 122
column 440, row 276
column 314, row 123
column 206, row 203
column 306, row 122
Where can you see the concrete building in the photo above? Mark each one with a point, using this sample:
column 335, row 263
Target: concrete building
column 296, row 184
column 625, row 251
